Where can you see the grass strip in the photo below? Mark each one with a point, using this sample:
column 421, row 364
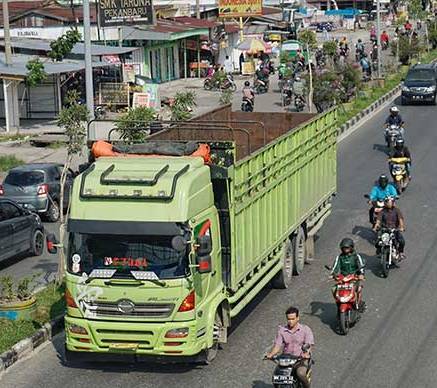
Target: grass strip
column 9, row 161
column 50, row 304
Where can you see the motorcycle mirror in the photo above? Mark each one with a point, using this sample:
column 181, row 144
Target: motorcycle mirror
column 328, row 267
column 367, row 196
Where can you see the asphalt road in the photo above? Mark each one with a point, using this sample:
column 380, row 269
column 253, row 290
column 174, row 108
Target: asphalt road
column 394, row 345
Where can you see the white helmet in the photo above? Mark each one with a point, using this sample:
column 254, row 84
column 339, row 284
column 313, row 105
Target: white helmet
column 394, row 109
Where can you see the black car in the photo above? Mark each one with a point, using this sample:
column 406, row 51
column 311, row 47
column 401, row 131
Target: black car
column 21, row 231
column 38, row 185
column 420, row 84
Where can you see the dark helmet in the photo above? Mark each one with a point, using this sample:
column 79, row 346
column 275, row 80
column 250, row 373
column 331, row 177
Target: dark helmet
column 399, row 143
column 359, row 40
column 383, row 180
column 347, row 243
column 247, row 83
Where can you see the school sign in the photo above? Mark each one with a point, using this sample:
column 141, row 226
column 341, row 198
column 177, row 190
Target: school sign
column 121, row 12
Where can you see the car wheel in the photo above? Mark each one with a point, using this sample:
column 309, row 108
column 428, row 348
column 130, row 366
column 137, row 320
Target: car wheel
column 37, row 243
column 53, row 212
column 403, row 101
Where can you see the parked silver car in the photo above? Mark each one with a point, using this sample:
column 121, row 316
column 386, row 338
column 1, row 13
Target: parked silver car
column 38, row 185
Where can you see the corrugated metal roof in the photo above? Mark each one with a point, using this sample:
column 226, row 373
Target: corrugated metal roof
column 19, row 61
column 78, row 49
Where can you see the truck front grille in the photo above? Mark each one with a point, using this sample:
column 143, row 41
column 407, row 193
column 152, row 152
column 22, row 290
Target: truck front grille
column 139, row 310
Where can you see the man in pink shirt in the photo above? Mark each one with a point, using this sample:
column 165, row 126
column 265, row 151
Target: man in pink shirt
column 297, row 339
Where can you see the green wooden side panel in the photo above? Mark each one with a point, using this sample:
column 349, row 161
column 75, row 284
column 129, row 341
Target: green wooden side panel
column 275, row 189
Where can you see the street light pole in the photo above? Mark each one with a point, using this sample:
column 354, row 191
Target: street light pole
column 8, row 62
column 89, row 88
column 378, row 35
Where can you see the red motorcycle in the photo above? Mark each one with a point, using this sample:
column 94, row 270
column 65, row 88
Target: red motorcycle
column 347, row 302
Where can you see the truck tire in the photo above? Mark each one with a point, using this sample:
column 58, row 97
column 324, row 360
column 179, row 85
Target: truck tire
column 300, row 252
column 283, row 278
column 211, row 353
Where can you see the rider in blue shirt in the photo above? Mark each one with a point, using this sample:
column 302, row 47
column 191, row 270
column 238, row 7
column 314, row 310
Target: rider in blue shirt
column 379, row 192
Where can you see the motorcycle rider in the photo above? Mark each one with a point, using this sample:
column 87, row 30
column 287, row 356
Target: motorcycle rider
column 248, row 93
column 290, row 339
column 379, row 193
column 394, row 117
column 391, row 218
column 359, row 50
column 402, row 151
column 348, row 262
column 299, row 89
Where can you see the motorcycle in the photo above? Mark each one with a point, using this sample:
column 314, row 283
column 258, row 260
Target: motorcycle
column 299, row 102
column 211, row 83
column 284, row 374
column 346, row 298
column 392, row 133
column 387, row 250
column 247, row 105
column 261, row 86
column 377, row 208
column 287, row 92
column 398, row 170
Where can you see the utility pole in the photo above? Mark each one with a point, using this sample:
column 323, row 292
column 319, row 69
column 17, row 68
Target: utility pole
column 378, row 35
column 198, row 9
column 89, row 88
column 8, row 62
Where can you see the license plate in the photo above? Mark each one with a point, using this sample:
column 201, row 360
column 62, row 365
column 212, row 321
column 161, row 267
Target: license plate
column 124, row 346
column 282, row 379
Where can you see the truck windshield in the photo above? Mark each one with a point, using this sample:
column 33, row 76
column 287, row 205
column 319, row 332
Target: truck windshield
column 126, row 254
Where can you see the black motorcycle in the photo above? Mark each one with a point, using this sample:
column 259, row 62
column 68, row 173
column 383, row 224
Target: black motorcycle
column 247, row 105
column 287, row 92
column 299, row 102
column 387, row 249
column 284, row 374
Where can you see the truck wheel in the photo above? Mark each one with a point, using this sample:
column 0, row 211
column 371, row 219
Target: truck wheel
column 282, row 279
column 211, row 353
column 300, row 252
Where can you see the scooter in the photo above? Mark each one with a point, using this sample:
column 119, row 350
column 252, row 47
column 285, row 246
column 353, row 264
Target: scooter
column 284, row 374
column 377, row 208
column 247, row 105
column 261, row 86
column 346, row 298
column 398, row 170
column 387, row 250
column 391, row 134
column 287, row 92
column 299, row 102
column 212, row 84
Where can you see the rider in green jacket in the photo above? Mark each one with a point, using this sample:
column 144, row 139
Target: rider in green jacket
column 349, row 262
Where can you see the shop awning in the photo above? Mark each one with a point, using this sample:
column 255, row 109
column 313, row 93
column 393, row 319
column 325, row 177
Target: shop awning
column 78, row 49
column 19, row 61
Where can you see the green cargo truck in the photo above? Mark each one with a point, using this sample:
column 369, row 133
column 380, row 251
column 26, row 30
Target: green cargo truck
column 164, row 251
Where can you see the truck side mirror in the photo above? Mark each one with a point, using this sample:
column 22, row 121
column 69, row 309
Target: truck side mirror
column 204, row 245
column 204, row 263
column 52, row 243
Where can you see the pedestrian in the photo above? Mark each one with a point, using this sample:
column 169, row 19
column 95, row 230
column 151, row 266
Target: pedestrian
column 365, row 65
column 241, row 61
column 384, row 40
column 228, row 65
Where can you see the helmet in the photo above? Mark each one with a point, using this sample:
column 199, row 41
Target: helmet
column 399, row 143
column 359, row 40
column 347, row 243
column 247, row 83
column 383, row 180
column 394, row 109
column 297, row 79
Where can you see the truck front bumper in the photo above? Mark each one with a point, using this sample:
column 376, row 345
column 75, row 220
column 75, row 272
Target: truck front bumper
column 132, row 341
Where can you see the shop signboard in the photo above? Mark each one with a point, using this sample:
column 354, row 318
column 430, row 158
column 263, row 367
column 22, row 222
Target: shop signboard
column 239, row 8
column 122, row 12
column 129, row 72
column 148, row 98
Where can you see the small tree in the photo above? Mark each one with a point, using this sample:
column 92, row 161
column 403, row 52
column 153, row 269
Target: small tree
column 134, row 124
column 406, row 48
column 182, row 107
column 308, row 38
column 330, row 50
column 72, row 119
column 35, row 72
column 62, row 46
column 226, row 97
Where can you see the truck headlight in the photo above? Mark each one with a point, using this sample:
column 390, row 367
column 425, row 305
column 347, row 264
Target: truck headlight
column 405, row 88
column 430, row 89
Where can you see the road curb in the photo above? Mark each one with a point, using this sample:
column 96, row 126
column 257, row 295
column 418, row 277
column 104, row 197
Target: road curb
column 360, row 117
column 28, row 345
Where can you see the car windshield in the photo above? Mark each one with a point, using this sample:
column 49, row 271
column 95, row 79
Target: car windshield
column 125, row 254
column 420, row 75
column 24, row 178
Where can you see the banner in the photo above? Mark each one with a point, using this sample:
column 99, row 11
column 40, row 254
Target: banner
column 239, row 8
column 121, row 12
column 148, row 99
